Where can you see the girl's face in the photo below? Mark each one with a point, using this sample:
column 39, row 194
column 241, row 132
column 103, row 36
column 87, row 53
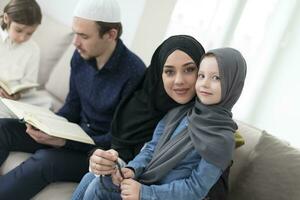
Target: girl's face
column 18, row 33
column 208, row 86
column 179, row 76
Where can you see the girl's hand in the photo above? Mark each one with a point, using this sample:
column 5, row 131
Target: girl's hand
column 130, row 189
column 117, row 178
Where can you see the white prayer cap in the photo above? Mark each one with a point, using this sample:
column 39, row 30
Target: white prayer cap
column 98, row 10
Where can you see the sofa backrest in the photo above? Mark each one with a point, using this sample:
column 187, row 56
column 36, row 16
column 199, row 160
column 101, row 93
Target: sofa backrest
column 265, row 168
column 251, row 136
column 53, row 39
column 58, row 82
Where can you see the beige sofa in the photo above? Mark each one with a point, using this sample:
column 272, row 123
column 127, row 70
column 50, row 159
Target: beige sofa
column 265, row 168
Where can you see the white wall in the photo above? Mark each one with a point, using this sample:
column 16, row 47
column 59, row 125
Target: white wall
column 153, row 27
column 278, row 110
column 131, row 13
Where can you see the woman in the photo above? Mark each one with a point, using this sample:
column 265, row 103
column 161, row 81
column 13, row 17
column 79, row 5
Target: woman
column 192, row 145
column 137, row 116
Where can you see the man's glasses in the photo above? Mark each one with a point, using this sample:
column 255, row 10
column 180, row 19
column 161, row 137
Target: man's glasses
column 110, row 189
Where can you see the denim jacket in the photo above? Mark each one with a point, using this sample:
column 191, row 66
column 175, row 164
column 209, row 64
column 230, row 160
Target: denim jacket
column 191, row 179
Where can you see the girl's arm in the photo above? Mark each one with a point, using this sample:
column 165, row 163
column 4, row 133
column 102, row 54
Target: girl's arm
column 196, row 186
column 144, row 157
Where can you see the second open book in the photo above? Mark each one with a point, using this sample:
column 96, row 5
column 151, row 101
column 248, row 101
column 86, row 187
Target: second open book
column 12, row 87
column 47, row 121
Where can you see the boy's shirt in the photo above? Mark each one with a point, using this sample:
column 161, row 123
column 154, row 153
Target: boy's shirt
column 18, row 62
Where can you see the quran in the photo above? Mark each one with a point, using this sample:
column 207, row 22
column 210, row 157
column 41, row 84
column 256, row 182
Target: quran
column 12, row 87
column 47, row 121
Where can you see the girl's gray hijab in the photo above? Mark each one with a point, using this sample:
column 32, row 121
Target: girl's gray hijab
column 211, row 128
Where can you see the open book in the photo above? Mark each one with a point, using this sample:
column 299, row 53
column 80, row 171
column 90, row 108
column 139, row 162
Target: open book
column 12, row 87
column 47, row 121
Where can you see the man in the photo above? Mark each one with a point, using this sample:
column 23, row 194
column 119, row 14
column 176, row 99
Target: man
column 103, row 71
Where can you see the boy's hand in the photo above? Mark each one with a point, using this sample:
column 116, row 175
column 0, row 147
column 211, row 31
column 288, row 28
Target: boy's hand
column 4, row 94
column 130, row 189
column 43, row 138
column 117, row 178
column 103, row 162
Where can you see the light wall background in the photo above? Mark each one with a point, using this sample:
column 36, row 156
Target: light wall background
column 132, row 10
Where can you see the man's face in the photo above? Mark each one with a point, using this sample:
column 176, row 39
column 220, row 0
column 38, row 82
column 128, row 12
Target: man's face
column 87, row 40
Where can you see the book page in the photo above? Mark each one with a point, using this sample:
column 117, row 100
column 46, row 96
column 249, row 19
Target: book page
column 12, row 87
column 21, row 109
column 5, row 86
column 58, row 128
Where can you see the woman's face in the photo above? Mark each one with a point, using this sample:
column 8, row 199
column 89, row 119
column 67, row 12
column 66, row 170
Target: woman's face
column 179, row 76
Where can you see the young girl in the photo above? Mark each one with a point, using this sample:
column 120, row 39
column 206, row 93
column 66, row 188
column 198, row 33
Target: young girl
column 19, row 55
column 191, row 146
column 137, row 116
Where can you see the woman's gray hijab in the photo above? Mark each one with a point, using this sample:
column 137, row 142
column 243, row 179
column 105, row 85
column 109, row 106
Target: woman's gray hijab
column 211, row 128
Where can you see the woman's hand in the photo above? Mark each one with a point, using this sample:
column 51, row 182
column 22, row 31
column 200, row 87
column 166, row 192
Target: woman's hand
column 103, row 162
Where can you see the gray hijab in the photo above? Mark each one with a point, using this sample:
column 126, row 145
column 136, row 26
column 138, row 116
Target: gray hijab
column 211, row 128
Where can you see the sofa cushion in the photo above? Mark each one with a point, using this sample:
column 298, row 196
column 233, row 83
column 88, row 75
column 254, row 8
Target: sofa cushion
column 56, row 191
column 272, row 173
column 53, row 39
column 13, row 160
column 58, row 83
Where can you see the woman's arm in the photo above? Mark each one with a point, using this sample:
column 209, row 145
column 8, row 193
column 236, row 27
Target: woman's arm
column 144, row 157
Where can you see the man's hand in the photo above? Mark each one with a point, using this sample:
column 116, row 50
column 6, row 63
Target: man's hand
column 130, row 189
column 103, row 162
column 117, row 178
column 43, row 138
column 4, row 94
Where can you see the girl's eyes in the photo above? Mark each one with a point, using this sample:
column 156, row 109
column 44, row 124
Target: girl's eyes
column 201, row 76
column 216, row 78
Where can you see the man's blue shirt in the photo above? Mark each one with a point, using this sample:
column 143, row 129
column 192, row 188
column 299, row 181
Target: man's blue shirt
column 94, row 94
